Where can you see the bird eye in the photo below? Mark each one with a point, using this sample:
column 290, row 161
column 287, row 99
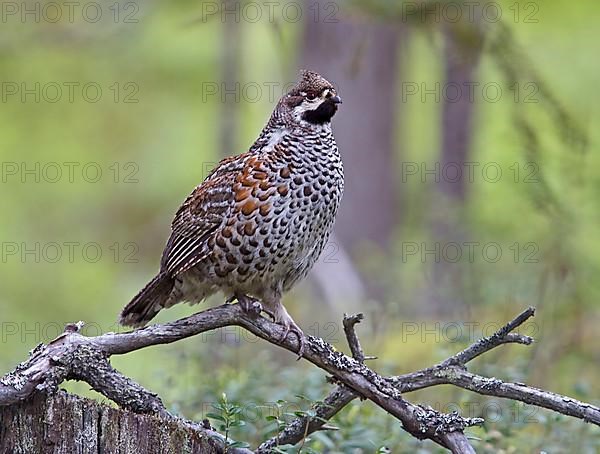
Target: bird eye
column 310, row 96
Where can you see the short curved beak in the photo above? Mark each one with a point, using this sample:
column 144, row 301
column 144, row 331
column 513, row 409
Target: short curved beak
column 336, row 99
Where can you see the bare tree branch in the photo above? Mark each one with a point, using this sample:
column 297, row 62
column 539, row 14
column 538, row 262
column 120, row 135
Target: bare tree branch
column 502, row 336
column 420, row 423
column 297, row 429
column 455, row 375
column 450, row 371
column 73, row 356
column 349, row 322
column 335, row 401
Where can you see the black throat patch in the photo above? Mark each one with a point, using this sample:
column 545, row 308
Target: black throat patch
column 321, row 114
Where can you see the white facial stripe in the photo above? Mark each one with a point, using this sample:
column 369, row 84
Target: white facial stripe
column 304, row 106
column 308, row 104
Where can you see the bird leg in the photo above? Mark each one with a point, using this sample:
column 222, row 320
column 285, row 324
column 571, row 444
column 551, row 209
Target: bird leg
column 281, row 317
column 253, row 308
column 250, row 306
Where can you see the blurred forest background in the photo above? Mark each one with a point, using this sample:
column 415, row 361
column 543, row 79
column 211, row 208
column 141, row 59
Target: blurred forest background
column 472, row 192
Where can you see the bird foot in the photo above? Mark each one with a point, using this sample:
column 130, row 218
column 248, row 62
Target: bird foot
column 281, row 317
column 253, row 308
column 250, row 306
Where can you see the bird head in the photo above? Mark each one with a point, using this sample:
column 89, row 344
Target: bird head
column 313, row 100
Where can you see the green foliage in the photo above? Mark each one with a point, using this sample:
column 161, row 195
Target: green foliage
column 228, row 418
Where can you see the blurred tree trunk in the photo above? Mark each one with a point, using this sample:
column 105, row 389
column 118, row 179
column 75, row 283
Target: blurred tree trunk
column 360, row 57
column 67, row 424
column 462, row 50
column 230, row 77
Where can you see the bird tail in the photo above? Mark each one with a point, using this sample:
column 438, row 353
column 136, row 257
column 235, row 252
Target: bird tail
column 148, row 302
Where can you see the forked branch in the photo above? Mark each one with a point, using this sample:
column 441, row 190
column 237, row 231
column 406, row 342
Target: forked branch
column 73, row 356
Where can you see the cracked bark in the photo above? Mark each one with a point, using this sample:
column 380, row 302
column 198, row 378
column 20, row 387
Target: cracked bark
column 67, row 424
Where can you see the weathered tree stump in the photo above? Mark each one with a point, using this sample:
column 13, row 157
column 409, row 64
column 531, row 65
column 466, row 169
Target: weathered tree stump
column 68, row 424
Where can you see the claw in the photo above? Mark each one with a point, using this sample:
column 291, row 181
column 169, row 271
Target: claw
column 250, row 306
column 291, row 327
column 253, row 307
column 270, row 314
